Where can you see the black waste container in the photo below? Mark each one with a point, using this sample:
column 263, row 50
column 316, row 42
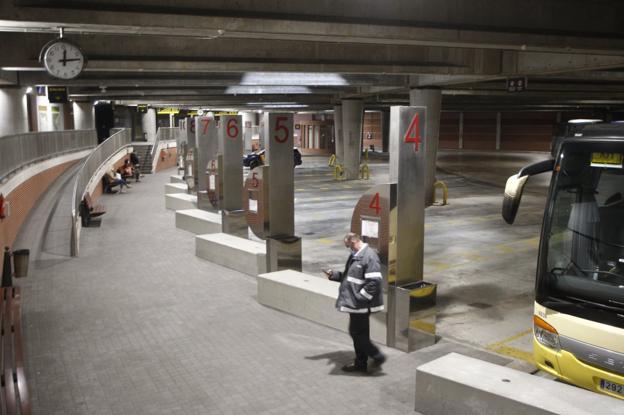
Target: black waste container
column 20, row 262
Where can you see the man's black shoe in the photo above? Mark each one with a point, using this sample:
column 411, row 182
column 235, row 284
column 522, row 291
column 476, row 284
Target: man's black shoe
column 379, row 360
column 352, row 367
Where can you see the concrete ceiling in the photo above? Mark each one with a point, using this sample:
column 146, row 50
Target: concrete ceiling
column 249, row 53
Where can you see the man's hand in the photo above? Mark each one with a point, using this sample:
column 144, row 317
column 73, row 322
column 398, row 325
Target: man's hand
column 328, row 272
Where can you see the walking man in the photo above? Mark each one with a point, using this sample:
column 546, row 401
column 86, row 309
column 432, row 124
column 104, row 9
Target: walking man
column 360, row 294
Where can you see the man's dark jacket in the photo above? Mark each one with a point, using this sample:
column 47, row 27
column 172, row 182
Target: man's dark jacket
column 360, row 283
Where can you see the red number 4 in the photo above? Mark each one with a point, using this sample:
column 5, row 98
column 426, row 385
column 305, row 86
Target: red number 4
column 413, row 133
column 374, row 204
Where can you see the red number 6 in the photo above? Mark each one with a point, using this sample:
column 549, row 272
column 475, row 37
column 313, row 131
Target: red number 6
column 232, row 128
column 279, row 126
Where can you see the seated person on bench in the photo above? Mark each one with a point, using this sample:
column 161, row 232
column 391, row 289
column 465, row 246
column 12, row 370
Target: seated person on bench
column 127, row 170
column 113, row 179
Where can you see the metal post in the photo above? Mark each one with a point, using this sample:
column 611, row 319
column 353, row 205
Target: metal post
column 283, row 247
column 231, row 145
column 411, row 315
column 207, row 144
column 7, row 277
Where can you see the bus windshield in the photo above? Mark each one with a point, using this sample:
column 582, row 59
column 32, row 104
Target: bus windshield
column 582, row 256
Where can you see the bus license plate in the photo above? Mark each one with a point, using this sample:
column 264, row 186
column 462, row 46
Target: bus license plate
column 612, row 387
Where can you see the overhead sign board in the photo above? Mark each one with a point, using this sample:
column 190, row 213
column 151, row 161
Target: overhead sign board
column 57, row 94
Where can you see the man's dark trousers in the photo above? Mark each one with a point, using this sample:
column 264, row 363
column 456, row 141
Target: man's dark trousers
column 359, row 329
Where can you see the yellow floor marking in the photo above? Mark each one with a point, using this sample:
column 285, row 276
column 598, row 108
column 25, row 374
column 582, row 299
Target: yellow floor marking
column 323, row 188
column 300, row 190
column 503, row 348
column 325, row 241
column 505, row 249
column 347, row 187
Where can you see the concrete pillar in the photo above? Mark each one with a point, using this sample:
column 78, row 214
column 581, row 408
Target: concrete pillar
column 432, row 99
column 84, row 116
column 249, row 120
column 13, row 111
column 385, row 130
column 148, row 122
column 498, row 130
column 338, row 138
column 352, row 121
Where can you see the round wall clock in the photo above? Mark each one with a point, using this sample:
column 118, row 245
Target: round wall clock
column 63, row 59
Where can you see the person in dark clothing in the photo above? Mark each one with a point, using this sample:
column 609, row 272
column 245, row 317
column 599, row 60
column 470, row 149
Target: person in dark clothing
column 134, row 160
column 360, row 294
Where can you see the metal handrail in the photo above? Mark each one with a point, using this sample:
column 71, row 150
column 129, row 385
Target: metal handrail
column 91, row 165
column 20, row 150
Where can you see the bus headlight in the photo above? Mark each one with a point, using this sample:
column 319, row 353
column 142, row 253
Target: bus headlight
column 545, row 333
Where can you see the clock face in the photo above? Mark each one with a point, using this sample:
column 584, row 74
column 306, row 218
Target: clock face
column 63, row 60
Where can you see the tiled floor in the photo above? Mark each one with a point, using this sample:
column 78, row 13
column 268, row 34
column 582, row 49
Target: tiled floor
column 139, row 325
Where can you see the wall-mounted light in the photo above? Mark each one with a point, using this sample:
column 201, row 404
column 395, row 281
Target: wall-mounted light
column 29, row 90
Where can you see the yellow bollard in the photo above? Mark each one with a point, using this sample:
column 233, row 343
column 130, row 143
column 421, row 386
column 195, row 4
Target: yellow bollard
column 364, row 172
column 442, row 185
column 338, row 172
column 332, row 160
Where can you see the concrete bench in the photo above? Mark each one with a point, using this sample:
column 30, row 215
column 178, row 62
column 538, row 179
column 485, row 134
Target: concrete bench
column 312, row 298
column 458, row 384
column 198, row 221
column 177, row 178
column 180, row 201
column 175, row 188
column 232, row 252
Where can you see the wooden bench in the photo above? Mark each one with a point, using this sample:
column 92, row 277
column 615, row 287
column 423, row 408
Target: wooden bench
column 88, row 210
column 14, row 398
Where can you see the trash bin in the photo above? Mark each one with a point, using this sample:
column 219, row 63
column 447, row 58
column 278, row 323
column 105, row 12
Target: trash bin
column 20, row 262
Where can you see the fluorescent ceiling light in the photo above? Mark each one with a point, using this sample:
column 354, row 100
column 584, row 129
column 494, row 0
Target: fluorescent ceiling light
column 22, row 68
column 293, row 79
column 584, row 121
column 252, row 90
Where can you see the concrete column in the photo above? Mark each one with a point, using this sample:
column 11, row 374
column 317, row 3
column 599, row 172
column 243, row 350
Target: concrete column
column 432, row 99
column 460, row 145
column 13, row 111
column 385, row 130
column 148, row 122
column 498, row 130
column 352, row 121
column 84, row 116
column 249, row 120
column 338, row 138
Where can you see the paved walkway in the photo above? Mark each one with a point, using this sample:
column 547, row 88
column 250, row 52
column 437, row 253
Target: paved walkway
column 139, row 325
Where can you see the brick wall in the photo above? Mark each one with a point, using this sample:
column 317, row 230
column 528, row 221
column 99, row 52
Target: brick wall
column 449, row 130
column 170, row 159
column 24, row 198
column 372, row 128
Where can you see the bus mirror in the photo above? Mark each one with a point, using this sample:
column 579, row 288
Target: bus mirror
column 513, row 194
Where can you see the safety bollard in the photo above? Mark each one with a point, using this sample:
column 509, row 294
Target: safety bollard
column 441, row 185
column 332, row 160
column 338, row 172
column 364, row 172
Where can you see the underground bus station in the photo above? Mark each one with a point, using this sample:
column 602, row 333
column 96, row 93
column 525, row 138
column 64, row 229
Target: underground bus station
column 356, row 207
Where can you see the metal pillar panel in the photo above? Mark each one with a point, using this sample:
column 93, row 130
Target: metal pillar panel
column 255, row 201
column 338, row 140
column 206, row 143
column 214, row 187
column 431, row 99
column 408, row 162
column 231, row 144
column 352, row 120
column 248, row 123
column 385, row 130
column 279, row 156
column 190, row 132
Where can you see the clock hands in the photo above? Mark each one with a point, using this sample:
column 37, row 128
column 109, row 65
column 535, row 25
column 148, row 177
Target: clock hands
column 65, row 60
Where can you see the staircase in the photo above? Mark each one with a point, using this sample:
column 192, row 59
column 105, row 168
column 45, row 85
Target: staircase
column 144, row 152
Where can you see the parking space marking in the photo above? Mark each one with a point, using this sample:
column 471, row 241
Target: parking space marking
column 502, row 347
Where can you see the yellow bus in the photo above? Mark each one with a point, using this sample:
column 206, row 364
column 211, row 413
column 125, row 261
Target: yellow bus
column 578, row 321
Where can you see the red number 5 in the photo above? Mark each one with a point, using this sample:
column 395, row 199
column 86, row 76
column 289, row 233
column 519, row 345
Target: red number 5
column 232, row 128
column 281, row 127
